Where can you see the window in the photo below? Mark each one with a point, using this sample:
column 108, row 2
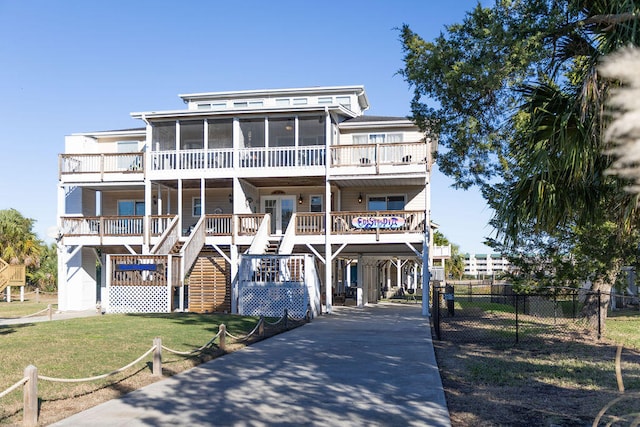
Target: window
column 325, row 100
column 164, row 136
column 240, row 104
column 282, row 132
column 131, row 162
column 315, row 204
column 252, row 133
column 379, row 138
column 196, row 202
column 130, row 208
column 192, row 134
column 311, row 131
column 386, row 203
column 220, row 133
column 299, row 101
column 283, row 102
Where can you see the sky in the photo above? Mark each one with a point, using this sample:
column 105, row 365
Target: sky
column 75, row 66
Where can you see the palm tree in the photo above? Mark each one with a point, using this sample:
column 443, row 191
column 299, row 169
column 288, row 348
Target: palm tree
column 18, row 243
column 560, row 157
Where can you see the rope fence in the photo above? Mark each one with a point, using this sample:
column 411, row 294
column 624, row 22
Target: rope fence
column 29, row 382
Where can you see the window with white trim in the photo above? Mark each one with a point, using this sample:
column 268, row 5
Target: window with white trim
column 386, row 203
column 196, row 203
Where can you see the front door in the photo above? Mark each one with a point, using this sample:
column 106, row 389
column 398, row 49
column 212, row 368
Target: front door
column 280, row 208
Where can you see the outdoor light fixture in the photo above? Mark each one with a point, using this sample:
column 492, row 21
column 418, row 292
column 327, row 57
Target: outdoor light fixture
column 300, row 199
column 360, row 198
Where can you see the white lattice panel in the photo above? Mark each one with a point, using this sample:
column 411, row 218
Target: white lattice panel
column 271, row 299
column 138, row 299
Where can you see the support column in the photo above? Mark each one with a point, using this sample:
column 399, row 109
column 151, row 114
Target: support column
column 234, row 278
column 328, row 262
column 180, row 205
column 361, row 278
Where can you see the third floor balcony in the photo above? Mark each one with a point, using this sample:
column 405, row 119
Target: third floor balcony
column 358, row 159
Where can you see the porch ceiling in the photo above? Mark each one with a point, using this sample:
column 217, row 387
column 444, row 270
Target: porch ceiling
column 378, row 181
column 384, row 251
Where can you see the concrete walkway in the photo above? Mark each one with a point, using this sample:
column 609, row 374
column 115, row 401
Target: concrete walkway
column 371, row 366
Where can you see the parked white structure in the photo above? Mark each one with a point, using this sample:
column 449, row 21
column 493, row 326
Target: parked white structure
column 485, row 264
column 260, row 198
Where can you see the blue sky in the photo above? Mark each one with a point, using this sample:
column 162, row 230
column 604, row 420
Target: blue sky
column 79, row 66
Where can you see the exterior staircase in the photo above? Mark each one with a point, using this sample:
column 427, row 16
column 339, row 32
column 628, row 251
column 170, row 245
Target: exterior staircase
column 11, row 275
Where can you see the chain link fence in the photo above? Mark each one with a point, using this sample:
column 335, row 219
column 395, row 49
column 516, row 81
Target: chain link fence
column 496, row 313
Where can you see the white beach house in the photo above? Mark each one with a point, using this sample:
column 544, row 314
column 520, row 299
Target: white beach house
column 246, row 202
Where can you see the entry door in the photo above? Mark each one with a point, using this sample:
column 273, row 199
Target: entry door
column 280, row 208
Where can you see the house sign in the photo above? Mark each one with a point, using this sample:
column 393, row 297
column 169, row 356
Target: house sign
column 373, row 222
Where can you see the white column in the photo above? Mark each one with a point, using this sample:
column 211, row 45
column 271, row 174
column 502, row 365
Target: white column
column 361, row 271
column 328, row 264
column 21, row 293
column 202, row 196
column 234, row 278
column 180, row 219
column 399, row 272
column 388, row 274
column 8, row 293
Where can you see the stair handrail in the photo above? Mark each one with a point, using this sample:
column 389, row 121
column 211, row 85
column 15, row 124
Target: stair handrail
column 168, row 239
column 4, row 274
column 261, row 239
column 193, row 245
column 289, row 238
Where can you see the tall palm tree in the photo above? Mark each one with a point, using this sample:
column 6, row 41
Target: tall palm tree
column 560, row 156
column 18, row 243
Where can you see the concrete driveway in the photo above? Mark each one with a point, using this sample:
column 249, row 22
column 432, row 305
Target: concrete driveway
column 372, row 366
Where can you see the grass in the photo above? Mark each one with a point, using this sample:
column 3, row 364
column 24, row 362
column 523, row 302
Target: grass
column 79, row 348
column 556, row 374
column 29, row 306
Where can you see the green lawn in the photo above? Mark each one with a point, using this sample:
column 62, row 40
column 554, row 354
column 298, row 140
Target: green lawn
column 16, row 308
column 86, row 347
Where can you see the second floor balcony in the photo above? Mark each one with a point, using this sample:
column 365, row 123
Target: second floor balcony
column 351, row 159
column 225, row 227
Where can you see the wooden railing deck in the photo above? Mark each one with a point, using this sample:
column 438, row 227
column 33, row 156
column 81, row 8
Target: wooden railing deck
column 306, row 223
column 402, row 153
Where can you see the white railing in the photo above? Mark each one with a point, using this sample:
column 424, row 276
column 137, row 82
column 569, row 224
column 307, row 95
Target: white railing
column 219, row 225
column 101, row 163
column 105, row 225
column 219, row 158
column 193, row 245
column 382, row 154
column 168, row 239
column 441, row 251
column 159, row 223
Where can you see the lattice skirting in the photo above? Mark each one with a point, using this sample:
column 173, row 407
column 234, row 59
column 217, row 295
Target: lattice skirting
column 138, row 299
column 271, row 300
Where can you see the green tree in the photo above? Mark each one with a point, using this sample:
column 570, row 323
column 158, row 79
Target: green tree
column 520, row 112
column 18, row 243
column 46, row 277
column 453, row 267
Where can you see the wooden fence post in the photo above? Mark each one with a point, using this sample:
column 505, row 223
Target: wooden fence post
column 30, row 396
column 50, row 310
column 223, row 337
column 157, row 357
column 285, row 317
column 261, row 327
column 37, row 295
